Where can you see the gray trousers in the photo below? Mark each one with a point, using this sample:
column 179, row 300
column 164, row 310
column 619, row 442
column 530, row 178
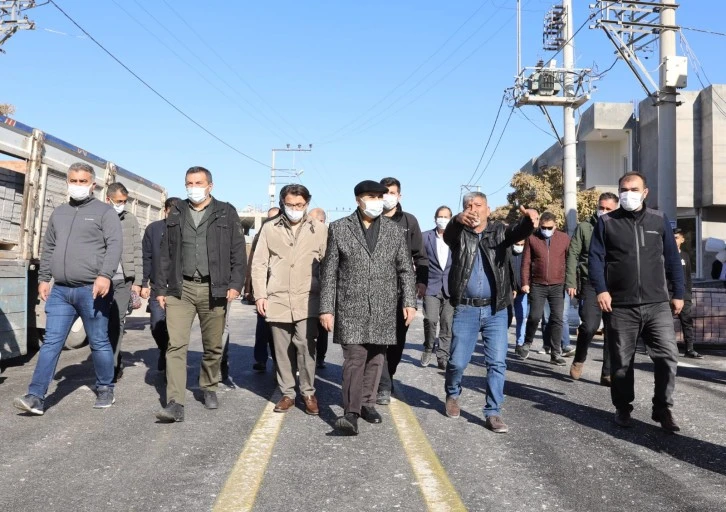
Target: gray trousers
column 117, row 319
column 438, row 313
column 294, row 346
column 654, row 323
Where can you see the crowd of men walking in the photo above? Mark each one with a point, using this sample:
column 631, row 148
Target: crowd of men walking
column 360, row 278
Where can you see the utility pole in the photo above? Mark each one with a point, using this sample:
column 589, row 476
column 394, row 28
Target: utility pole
column 279, row 173
column 667, row 196
column 633, row 26
column 569, row 143
column 10, row 20
column 542, row 87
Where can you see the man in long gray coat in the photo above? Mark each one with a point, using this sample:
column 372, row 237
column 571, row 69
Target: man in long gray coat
column 366, row 263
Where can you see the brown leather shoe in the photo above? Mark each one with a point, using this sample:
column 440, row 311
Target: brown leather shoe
column 284, row 404
column 311, row 405
column 665, row 418
column 452, row 407
column 576, row 370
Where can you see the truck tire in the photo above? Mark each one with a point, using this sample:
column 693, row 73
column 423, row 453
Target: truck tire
column 77, row 337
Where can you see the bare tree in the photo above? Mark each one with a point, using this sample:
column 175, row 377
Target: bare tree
column 6, row 109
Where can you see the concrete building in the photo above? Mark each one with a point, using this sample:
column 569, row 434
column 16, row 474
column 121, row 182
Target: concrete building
column 614, row 138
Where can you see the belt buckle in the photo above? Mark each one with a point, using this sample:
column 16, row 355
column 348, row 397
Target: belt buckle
column 197, row 279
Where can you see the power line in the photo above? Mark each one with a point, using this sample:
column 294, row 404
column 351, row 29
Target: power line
column 232, row 69
column 189, row 65
column 704, row 31
column 204, row 63
column 520, row 111
column 161, row 96
column 416, row 85
column 364, row 128
column 494, row 151
column 489, row 139
column 696, row 66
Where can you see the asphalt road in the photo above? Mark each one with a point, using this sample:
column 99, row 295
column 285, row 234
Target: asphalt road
column 563, row 451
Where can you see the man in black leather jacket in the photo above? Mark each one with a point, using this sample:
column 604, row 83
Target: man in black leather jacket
column 481, row 289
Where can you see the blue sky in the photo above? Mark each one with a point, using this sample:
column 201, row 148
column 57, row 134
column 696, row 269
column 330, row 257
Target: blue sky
column 380, row 88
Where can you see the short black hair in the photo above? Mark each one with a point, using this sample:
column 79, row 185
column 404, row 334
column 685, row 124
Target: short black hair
column 443, row 207
column 632, row 174
column 295, row 189
column 171, row 202
column 196, row 169
column 387, row 182
column 113, row 188
column 608, row 196
column 547, row 216
column 679, row 231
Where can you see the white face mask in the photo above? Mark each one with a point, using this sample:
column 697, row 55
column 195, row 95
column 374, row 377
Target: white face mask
column 631, row 201
column 197, row 194
column 518, row 249
column 294, row 216
column 390, row 201
column 600, row 213
column 442, row 222
column 79, row 192
column 546, row 232
column 119, row 208
column 373, row 207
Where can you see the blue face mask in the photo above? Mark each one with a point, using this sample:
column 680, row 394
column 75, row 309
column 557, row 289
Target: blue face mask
column 546, row 232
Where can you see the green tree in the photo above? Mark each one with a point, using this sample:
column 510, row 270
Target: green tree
column 544, row 192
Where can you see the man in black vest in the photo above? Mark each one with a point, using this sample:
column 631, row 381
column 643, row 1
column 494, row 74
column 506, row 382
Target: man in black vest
column 632, row 257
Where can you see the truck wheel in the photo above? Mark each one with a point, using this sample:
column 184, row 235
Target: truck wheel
column 77, row 337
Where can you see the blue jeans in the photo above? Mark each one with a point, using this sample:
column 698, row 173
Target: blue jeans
column 64, row 305
column 521, row 309
column 468, row 322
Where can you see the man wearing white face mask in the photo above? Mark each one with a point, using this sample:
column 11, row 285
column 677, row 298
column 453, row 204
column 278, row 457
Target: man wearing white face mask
column 129, row 273
column 633, row 258
column 543, row 278
column 201, row 270
column 81, row 252
column 367, row 263
column 414, row 240
column 438, row 311
column 285, row 279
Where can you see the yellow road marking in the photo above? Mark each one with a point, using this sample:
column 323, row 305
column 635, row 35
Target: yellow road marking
column 244, row 481
column 437, row 490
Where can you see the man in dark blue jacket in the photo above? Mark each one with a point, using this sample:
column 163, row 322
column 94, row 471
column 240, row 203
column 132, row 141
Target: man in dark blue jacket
column 151, row 254
column 632, row 258
column 438, row 311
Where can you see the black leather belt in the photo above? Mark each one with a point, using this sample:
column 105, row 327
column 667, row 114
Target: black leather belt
column 197, row 279
column 477, row 303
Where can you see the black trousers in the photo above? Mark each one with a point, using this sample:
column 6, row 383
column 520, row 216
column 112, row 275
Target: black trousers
column 654, row 323
column 686, row 321
column 394, row 352
column 362, row 365
column 590, row 316
column 554, row 294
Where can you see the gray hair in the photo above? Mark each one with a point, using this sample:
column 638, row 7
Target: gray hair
column 470, row 196
column 82, row 166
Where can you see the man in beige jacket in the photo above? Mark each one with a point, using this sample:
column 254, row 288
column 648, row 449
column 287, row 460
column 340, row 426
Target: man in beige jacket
column 285, row 279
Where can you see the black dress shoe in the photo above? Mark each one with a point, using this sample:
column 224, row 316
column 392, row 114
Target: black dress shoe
column 347, row 424
column 210, row 400
column 171, row 413
column 370, row 414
